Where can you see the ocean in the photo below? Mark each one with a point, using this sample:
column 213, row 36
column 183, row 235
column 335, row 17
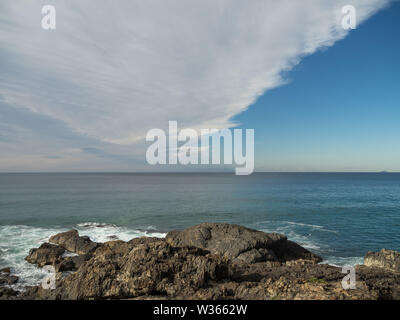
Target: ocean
column 339, row 216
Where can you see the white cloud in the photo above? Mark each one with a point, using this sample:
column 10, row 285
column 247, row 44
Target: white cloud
column 113, row 70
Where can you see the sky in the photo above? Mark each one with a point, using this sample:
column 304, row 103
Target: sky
column 82, row 97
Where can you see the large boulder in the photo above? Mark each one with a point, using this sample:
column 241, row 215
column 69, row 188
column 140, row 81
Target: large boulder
column 71, row 241
column 46, row 254
column 240, row 244
column 52, row 254
column 386, row 259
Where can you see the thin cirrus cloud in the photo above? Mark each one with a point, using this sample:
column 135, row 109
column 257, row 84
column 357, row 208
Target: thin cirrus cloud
column 113, row 70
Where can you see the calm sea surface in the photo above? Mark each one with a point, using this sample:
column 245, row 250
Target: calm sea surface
column 337, row 215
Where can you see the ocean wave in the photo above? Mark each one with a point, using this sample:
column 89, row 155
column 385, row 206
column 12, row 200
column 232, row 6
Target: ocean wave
column 305, row 235
column 300, row 233
column 17, row 240
column 343, row 261
column 303, row 240
column 102, row 232
column 313, row 226
column 304, row 224
column 94, row 225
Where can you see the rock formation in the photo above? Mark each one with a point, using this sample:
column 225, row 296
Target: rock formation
column 46, row 254
column 240, row 244
column 51, row 254
column 386, row 259
column 72, row 242
column 208, row 261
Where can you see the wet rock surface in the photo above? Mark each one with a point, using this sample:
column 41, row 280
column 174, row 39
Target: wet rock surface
column 208, row 261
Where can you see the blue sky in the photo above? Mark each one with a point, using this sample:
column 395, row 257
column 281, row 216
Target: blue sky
column 341, row 109
column 82, row 97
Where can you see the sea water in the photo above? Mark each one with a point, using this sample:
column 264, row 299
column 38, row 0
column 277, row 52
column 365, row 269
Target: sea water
column 339, row 216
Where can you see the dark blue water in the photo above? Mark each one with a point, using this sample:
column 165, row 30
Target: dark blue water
column 337, row 215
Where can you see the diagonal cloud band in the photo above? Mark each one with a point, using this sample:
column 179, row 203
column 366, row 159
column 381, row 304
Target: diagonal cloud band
column 112, row 71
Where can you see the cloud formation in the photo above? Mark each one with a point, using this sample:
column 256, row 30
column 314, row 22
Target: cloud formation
column 113, row 70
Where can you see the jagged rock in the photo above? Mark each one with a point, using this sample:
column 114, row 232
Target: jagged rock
column 71, row 241
column 46, row 254
column 386, row 259
column 240, row 243
column 177, row 268
column 144, row 240
column 51, row 254
column 304, row 281
column 384, row 282
column 71, row 263
column 156, row 269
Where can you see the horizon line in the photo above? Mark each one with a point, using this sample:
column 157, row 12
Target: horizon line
column 182, row 172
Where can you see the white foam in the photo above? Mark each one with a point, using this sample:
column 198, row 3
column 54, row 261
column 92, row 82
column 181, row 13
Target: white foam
column 69, row 254
column 343, row 261
column 301, row 233
column 101, row 232
column 304, row 224
column 303, row 240
column 17, row 240
column 313, row 226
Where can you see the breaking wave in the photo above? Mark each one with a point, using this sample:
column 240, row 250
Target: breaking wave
column 17, row 240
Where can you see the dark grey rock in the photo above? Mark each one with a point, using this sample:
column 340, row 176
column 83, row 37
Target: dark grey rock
column 240, row 243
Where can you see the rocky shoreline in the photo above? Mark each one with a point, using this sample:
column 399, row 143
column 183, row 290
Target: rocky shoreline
column 207, row 261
